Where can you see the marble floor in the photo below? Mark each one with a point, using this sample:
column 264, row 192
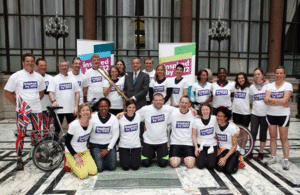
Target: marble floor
column 256, row 178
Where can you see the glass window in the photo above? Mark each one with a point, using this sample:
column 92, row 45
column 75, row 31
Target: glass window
column 3, row 64
column 1, row 7
column 30, row 6
column 31, row 32
column 69, row 7
column 51, row 7
column 2, row 32
column 255, row 9
column 15, row 63
column 12, row 6
column 14, row 35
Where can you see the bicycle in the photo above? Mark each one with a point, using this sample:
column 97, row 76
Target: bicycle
column 49, row 153
column 245, row 141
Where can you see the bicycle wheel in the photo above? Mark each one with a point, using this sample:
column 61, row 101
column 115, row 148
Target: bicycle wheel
column 245, row 141
column 48, row 155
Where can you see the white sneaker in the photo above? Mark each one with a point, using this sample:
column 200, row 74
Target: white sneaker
column 242, row 151
column 271, row 161
column 286, row 165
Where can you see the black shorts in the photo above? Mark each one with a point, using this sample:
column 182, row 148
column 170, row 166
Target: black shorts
column 149, row 149
column 281, row 121
column 181, row 151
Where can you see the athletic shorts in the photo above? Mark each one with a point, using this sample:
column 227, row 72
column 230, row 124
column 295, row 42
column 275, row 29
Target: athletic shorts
column 149, row 149
column 281, row 121
column 181, row 151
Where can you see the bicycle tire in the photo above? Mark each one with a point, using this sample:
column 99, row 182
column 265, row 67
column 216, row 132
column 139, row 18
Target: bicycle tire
column 245, row 141
column 48, row 155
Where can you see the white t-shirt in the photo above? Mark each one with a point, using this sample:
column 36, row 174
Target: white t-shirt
column 28, row 86
column 161, row 88
column 182, row 128
column 130, row 132
column 221, row 95
column 178, row 89
column 106, row 133
column 201, row 93
column 206, row 133
column 80, row 136
column 46, row 100
column 225, row 137
column 95, row 80
column 113, row 96
column 156, row 122
column 259, row 108
column 82, row 82
column 151, row 77
column 241, row 101
column 64, row 88
column 279, row 94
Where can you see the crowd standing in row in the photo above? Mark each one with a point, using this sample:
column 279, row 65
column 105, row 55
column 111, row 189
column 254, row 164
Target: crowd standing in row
column 141, row 123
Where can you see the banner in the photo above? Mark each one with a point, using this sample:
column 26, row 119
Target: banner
column 87, row 48
column 171, row 54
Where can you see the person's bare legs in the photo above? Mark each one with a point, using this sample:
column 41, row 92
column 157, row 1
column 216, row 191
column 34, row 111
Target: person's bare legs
column 273, row 137
column 190, row 162
column 283, row 132
column 175, row 161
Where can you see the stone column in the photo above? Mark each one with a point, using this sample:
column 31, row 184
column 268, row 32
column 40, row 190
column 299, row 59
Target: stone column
column 186, row 21
column 89, row 19
column 275, row 36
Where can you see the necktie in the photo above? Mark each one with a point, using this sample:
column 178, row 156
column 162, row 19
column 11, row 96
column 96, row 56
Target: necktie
column 134, row 79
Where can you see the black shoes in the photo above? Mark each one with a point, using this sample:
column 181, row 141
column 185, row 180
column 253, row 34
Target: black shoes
column 20, row 165
column 260, row 156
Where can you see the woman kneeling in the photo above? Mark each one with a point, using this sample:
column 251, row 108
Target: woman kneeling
column 78, row 157
column 228, row 159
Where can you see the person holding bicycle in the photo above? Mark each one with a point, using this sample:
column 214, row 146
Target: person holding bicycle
column 204, row 132
column 77, row 157
column 201, row 90
column 130, row 144
column 227, row 133
column 104, row 137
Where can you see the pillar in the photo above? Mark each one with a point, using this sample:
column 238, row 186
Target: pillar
column 186, row 21
column 89, row 19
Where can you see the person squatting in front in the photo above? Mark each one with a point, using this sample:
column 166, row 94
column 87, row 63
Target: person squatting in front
column 130, row 144
column 204, row 138
column 77, row 157
column 181, row 143
column 104, row 136
column 227, row 133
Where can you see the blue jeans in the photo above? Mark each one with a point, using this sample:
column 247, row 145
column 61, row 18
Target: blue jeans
column 109, row 161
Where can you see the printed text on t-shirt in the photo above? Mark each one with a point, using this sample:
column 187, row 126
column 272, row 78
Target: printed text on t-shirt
column 30, row 85
column 222, row 137
column 183, row 124
column 103, row 130
column 131, row 127
column 83, row 138
column 207, row 131
column 158, row 118
column 221, row 92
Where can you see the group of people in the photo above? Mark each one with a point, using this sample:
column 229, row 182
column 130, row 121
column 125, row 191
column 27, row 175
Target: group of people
column 140, row 124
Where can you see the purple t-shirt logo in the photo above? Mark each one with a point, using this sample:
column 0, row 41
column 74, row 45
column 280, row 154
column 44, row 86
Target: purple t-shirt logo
column 83, row 138
column 176, row 90
column 103, row 130
column 203, row 92
column 114, row 89
column 183, row 124
column 158, row 118
column 96, row 79
column 79, row 83
column 222, row 137
column 221, row 92
column 30, row 85
column 131, row 127
column 277, row 95
column 241, row 95
column 207, row 131
column 158, row 89
column 65, row 86
column 258, row 97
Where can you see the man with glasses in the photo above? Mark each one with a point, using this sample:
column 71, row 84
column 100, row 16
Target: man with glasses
column 64, row 91
column 81, row 78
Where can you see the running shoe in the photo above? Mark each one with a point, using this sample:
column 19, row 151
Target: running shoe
column 242, row 151
column 260, row 156
column 286, row 165
column 271, row 161
column 20, row 165
column 31, row 152
column 249, row 157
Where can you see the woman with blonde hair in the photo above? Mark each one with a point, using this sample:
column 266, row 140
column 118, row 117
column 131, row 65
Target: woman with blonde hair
column 77, row 156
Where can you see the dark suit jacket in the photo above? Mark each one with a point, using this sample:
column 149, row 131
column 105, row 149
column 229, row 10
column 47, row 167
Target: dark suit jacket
column 140, row 88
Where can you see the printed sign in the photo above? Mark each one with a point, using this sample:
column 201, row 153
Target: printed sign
column 241, row 95
column 277, row 95
column 207, row 131
column 183, row 124
column 222, row 137
column 103, row 130
column 258, row 97
column 221, row 92
column 158, row 118
column 131, row 127
column 203, row 92
column 96, row 79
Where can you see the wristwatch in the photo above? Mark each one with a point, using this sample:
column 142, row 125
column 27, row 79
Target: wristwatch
column 53, row 101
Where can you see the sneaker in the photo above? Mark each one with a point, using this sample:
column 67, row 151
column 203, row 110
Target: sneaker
column 31, row 152
column 249, row 157
column 260, row 156
column 286, row 165
column 271, row 161
column 242, row 151
column 20, row 165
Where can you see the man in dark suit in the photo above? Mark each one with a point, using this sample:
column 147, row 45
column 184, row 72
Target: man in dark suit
column 136, row 84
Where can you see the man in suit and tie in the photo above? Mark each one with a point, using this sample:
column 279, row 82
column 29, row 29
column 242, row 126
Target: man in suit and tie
column 136, row 84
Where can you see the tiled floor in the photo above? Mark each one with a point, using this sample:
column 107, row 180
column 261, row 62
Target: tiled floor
column 256, row 178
